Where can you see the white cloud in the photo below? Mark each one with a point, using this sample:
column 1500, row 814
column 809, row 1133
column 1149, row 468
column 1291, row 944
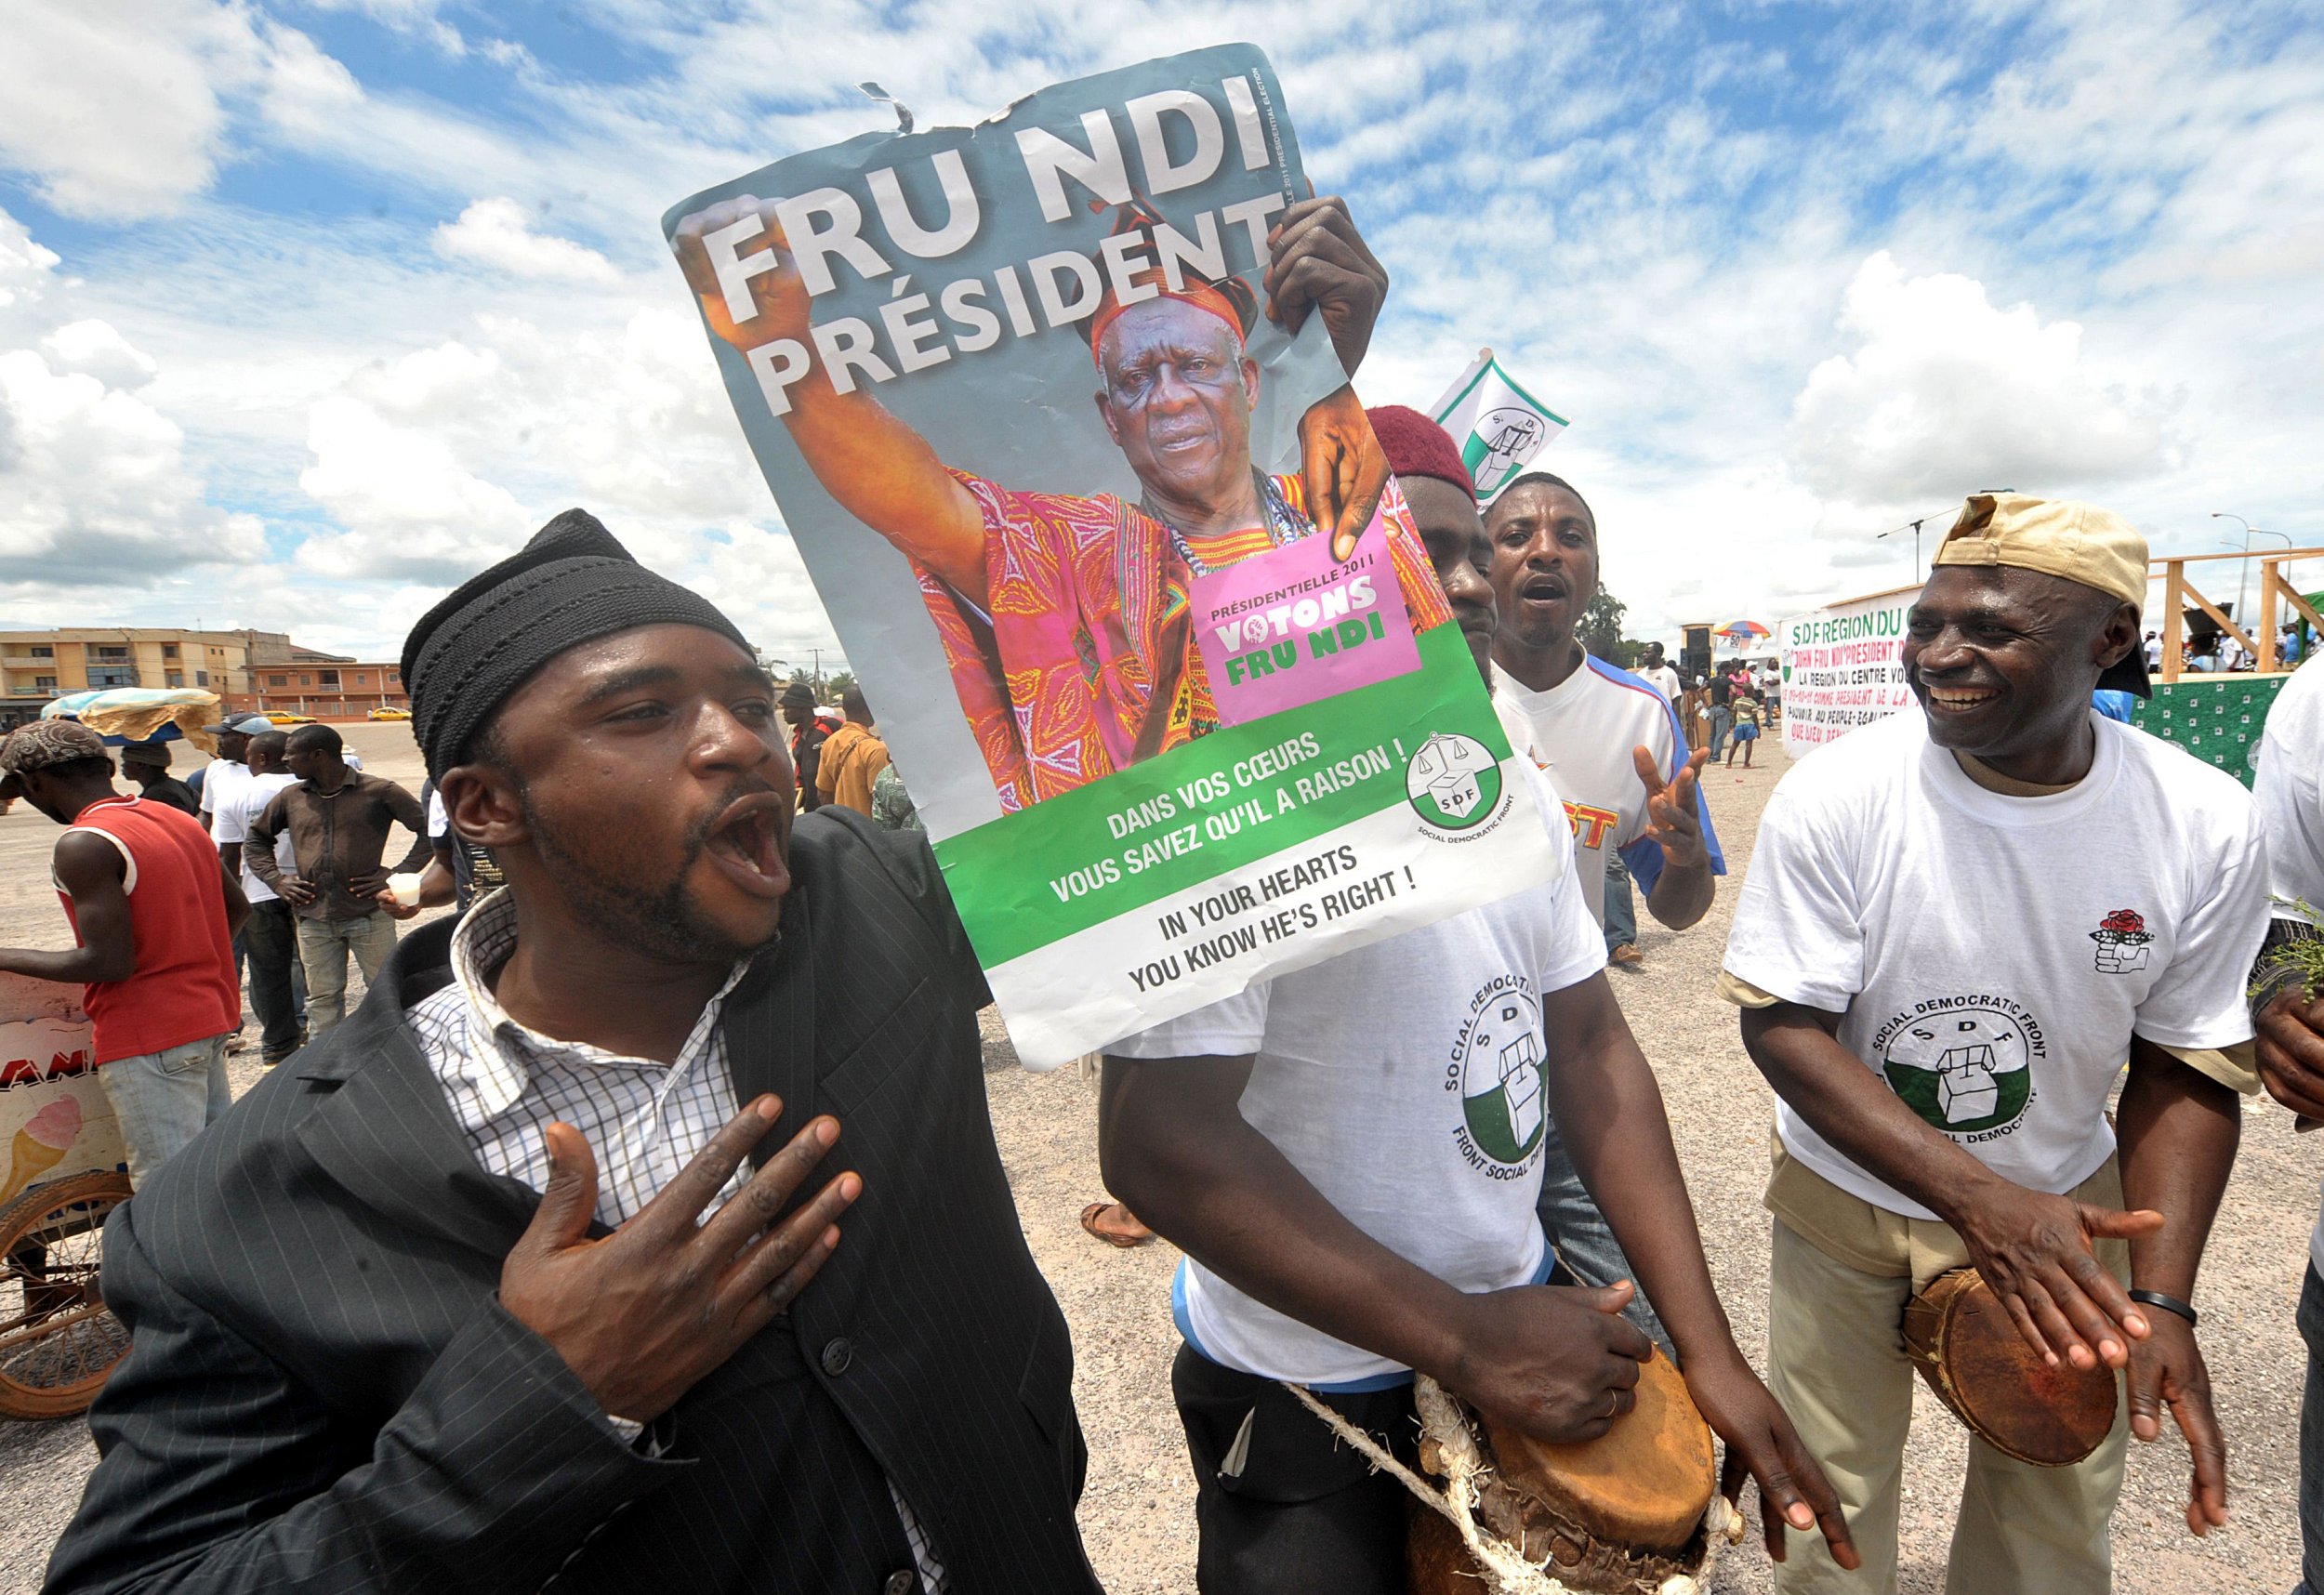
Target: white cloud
column 494, row 233
column 411, row 511
column 441, row 461
column 1944, row 392
column 757, row 578
column 307, row 92
column 94, row 348
column 115, row 108
column 95, row 486
column 419, row 18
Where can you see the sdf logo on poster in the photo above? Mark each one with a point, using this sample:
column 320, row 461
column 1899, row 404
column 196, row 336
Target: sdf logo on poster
column 1110, row 546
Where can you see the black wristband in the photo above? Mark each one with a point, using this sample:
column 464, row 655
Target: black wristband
column 2168, row 1303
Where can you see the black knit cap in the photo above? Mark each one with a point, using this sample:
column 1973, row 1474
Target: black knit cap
column 572, row 583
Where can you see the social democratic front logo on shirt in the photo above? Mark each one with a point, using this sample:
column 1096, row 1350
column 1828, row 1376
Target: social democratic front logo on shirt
column 1963, row 1063
column 1453, row 782
column 1496, row 1067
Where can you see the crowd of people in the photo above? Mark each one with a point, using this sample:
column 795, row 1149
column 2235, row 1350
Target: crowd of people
column 2224, row 650
column 644, row 1226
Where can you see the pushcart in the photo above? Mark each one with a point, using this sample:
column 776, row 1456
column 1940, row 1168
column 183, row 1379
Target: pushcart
column 65, row 1170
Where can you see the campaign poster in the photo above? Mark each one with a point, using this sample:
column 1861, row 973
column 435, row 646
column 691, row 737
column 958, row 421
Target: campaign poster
column 1843, row 667
column 1148, row 631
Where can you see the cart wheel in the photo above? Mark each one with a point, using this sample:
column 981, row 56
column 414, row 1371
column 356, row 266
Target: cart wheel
column 58, row 1342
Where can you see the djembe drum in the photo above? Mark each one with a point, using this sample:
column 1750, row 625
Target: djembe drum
column 1961, row 1338
column 1622, row 1513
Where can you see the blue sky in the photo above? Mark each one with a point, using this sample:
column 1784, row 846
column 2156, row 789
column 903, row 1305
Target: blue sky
column 309, row 308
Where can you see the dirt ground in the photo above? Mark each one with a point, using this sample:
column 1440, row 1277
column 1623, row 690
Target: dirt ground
column 1137, row 1514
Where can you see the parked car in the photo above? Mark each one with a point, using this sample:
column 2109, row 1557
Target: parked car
column 390, row 714
column 285, row 717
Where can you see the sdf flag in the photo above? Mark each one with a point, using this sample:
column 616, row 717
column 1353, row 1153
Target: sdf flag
column 1497, row 424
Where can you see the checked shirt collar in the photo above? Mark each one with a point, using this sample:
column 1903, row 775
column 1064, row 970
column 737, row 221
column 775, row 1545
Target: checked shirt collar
column 506, row 1081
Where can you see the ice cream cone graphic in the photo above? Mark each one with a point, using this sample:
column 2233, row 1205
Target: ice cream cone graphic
column 41, row 1145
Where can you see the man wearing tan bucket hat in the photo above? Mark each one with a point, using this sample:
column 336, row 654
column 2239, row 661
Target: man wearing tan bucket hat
column 1960, row 924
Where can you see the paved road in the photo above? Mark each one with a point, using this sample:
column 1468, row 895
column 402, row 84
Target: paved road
column 1136, row 1514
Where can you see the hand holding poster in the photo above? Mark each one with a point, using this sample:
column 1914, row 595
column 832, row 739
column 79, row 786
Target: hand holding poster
column 1111, row 545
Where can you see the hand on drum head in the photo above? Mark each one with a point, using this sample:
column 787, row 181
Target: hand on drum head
column 2167, row 1369
column 1762, row 1445
column 2034, row 1252
column 2291, row 1053
column 1557, row 1361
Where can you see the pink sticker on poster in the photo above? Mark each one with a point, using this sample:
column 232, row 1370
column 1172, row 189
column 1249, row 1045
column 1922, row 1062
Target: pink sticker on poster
column 1283, row 628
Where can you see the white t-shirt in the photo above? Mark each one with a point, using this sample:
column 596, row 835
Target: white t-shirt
column 2290, row 801
column 223, row 781
column 1583, row 730
column 1405, row 1081
column 1993, row 955
column 1663, row 679
column 232, row 822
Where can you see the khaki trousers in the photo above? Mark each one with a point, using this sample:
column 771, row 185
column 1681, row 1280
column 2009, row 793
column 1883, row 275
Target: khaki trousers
column 1842, row 1271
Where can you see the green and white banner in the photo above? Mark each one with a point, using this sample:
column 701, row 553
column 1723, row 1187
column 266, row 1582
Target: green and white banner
column 1499, row 426
column 1148, row 629
column 1843, row 666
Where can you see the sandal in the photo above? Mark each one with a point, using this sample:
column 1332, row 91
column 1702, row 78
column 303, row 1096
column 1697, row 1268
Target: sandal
column 1125, row 1234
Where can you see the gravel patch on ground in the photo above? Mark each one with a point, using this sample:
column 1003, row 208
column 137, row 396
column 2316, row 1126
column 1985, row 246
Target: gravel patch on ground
column 1137, row 1511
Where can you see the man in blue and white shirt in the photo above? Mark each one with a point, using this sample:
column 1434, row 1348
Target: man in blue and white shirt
column 1611, row 746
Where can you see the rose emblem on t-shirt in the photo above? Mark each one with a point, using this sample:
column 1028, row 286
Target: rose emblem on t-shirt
column 1963, row 1068
column 2122, row 937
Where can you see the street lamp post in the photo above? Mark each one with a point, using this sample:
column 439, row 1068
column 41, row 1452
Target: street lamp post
column 2244, row 566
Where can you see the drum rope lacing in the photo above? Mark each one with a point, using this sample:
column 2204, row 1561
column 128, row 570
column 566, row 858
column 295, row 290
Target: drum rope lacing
column 1506, row 1570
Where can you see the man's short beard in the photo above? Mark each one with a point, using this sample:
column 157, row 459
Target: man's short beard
column 1549, row 635
column 667, row 923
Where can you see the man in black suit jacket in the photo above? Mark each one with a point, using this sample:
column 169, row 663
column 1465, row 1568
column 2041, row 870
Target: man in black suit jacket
column 363, row 1359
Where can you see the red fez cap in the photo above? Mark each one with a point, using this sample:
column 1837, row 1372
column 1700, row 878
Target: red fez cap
column 1418, row 446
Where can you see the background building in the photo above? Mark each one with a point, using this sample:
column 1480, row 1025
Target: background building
column 38, row 665
column 340, row 689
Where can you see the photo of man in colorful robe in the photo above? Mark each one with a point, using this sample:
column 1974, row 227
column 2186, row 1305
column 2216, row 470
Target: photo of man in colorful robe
column 1065, row 619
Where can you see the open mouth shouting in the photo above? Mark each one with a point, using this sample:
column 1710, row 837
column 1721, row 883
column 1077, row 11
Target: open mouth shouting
column 747, row 842
column 1543, row 589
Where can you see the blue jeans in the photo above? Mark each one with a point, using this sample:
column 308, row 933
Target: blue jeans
column 162, row 1099
column 2311, row 1322
column 1583, row 1240
column 1621, row 913
column 1721, row 722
